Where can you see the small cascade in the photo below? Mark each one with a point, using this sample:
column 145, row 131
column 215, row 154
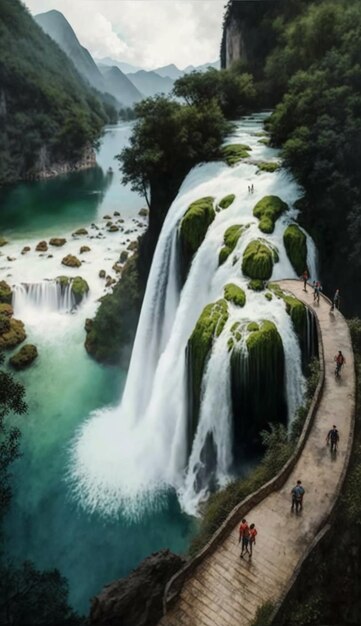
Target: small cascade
column 210, row 367
column 48, row 296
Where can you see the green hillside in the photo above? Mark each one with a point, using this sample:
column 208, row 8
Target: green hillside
column 47, row 113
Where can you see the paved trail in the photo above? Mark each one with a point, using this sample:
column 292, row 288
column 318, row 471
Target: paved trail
column 225, row 590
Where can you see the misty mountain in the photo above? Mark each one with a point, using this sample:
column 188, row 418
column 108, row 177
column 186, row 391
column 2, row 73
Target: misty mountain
column 58, row 28
column 119, row 86
column 169, row 71
column 126, row 68
column 150, row 83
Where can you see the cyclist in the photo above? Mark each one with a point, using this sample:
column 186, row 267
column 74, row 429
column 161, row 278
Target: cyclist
column 340, row 361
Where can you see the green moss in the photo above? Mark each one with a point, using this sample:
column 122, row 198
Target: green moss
column 79, row 288
column 5, row 292
column 234, row 153
column 296, row 247
column 256, row 285
column 227, row 201
column 268, row 166
column 14, row 333
column 63, row 280
column 6, row 309
column 268, row 211
column 231, row 237
column 252, row 327
column 24, row 357
column 258, row 259
column 265, row 141
column 209, row 325
column 235, row 294
column 266, row 335
column 294, row 307
column 268, row 296
column 194, row 225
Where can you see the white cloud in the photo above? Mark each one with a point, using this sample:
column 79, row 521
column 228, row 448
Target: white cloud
column 148, row 33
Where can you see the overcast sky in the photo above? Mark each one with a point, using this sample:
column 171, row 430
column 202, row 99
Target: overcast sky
column 149, row 33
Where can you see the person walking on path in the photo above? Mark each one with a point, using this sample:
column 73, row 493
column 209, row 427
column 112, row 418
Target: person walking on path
column 340, row 361
column 333, row 437
column 305, row 279
column 297, row 496
column 252, row 538
column 316, row 293
column 336, row 300
column 244, row 536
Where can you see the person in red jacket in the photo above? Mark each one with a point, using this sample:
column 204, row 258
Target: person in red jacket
column 244, row 536
column 252, row 538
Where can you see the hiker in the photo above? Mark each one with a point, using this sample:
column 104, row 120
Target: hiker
column 249, row 189
column 252, row 538
column 244, row 536
column 305, row 279
column 333, row 437
column 340, row 361
column 336, row 300
column 252, row 188
column 297, row 496
column 316, row 293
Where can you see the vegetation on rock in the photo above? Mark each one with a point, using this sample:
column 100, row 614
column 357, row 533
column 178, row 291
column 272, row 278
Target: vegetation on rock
column 24, row 357
column 256, row 284
column 268, row 211
column 295, row 242
column 233, row 293
column 79, row 288
column 12, row 332
column 5, row 292
column 234, row 153
column 193, row 227
column 268, row 166
column 227, row 201
column 258, row 259
column 231, row 237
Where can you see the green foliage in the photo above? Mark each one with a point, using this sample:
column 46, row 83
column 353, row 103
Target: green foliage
column 235, row 294
column 227, row 201
column 263, row 615
column 115, row 322
column 233, row 153
column 193, row 227
column 294, row 307
column 79, row 288
column 258, row 259
column 5, row 292
column 233, row 92
column 168, row 139
column 256, row 285
column 268, row 211
column 295, row 243
column 46, row 108
column 33, row 597
column 231, row 237
column 268, row 166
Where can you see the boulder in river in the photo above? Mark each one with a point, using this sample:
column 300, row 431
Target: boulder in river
column 12, row 332
column 57, row 241
column 25, row 249
column 116, row 213
column 42, row 246
column 24, row 357
column 84, row 249
column 143, row 212
column 71, row 261
column 6, row 309
column 113, row 228
column 133, row 246
column 79, row 232
column 136, row 600
column 3, row 242
column 5, row 292
column 123, row 256
column 102, row 274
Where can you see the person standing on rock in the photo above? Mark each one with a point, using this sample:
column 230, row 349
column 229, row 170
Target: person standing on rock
column 252, row 538
column 244, row 536
column 305, row 279
column 297, row 496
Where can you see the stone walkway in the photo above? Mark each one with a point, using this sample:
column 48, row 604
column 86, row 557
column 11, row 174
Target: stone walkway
column 225, row 590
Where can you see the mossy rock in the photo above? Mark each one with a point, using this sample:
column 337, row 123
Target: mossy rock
column 3, row 242
column 258, row 260
column 268, row 166
column 252, row 327
column 6, row 309
column 142, row 212
column 13, row 335
column 80, row 232
column 256, row 285
column 84, row 249
column 265, row 141
column 235, row 152
column 227, row 201
column 193, row 227
column 24, row 357
column 268, row 211
column 123, row 256
column 102, row 274
column 295, row 309
column 42, row 246
column 5, row 292
column 268, row 296
column 133, row 246
column 79, row 288
column 209, row 325
column 231, row 237
column 295, row 242
column 57, row 241
column 25, row 249
column 64, row 281
column 71, row 261
column 233, row 293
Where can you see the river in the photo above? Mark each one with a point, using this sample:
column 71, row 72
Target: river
column 45, row 523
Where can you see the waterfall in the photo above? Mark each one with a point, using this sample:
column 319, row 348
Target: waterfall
column 124, row 457
column 42, row 298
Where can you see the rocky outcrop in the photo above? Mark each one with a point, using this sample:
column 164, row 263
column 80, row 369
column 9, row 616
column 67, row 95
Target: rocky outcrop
column 5, row 292
column 234, row 153
column 44, row 167
column 193, row 227
column 268, row 210
column 136, row 600
column 258, row 259
column 12, row 332
column 295, row 243
column 42, row 246
column 57, row 241
column 231, row 237
column 24, row 357
column 71, row 261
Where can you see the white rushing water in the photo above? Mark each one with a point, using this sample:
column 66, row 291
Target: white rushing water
column 122, row 457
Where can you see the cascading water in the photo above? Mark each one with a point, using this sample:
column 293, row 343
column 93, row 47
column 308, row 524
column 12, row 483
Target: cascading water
column 40, row 298
column 123, row 458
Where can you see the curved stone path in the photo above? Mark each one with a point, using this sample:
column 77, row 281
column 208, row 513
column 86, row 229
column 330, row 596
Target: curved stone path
column 225, row 590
